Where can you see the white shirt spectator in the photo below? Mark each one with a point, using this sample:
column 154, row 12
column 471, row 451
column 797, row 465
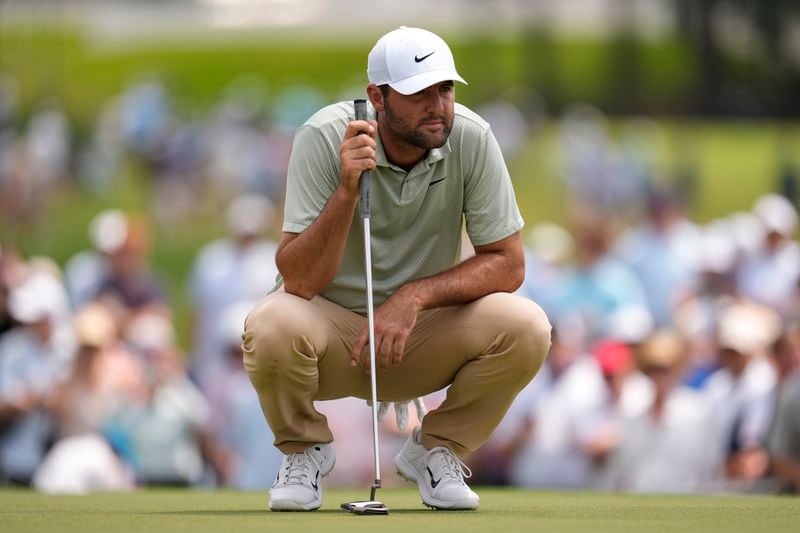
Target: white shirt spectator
column 29, row 368
column 770, row 277
column 240, row 267
column 552, row 455
column 225, row 273
column 743, row 404
column 667, row 455
column 81, row 464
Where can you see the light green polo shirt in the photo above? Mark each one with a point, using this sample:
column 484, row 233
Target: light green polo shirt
column 416, row 217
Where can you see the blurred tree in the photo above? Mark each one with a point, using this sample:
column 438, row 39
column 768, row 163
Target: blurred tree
column 763, row 76
column 624, row 62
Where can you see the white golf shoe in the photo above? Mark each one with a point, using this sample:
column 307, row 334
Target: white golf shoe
column 438, row 473
column 297, row 486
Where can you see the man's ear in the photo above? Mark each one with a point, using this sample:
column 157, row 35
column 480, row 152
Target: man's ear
column 375, row 96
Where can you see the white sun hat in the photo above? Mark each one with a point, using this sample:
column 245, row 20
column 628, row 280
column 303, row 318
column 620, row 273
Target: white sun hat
column 747, row 328
column 410, row 60
column 777, row 214
column 39, row 297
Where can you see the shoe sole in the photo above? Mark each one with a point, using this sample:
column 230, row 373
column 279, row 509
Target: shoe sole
column 290, row 506
column 410, row 475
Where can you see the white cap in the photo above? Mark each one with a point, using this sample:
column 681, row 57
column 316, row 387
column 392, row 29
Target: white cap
column 39, row 297
column 108, row 230
column 747, row 328
column 249, row 214
column 150, row 331
column 231, row 323
column 551, row 241
column 410, row 60
column 717, row 250
column 777, row 214
column 630, row 323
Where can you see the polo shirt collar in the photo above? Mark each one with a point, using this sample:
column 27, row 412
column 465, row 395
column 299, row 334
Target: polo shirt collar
column 437, row 154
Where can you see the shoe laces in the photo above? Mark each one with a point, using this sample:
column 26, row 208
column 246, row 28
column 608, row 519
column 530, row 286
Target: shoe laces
column 451, row 467
column 297, row 466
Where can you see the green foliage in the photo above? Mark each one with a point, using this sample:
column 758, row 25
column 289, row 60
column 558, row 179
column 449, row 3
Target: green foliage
column 84, row 71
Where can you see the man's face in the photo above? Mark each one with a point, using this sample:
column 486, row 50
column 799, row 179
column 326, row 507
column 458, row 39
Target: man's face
column 422, row 119
column 733, row 360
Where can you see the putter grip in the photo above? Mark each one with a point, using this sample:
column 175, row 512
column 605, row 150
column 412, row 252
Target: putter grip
column 363, row 185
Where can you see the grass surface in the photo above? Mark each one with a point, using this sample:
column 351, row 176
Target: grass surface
column 501, row 510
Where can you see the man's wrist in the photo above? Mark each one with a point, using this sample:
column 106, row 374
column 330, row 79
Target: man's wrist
column 345, row 195
column 411, row 293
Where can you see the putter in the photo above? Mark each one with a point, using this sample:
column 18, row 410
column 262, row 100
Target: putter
column 371, row 506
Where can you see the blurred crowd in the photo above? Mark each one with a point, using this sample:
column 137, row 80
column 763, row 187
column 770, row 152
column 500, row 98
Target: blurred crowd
column 675, row 364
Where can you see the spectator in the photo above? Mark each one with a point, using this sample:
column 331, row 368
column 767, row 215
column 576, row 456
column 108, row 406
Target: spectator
column 662, row 253
column 117, row 269
column 35, row 164
column 696, row 317
column 549, row 249
column 625, row 395
column 12, row 270
column 82, row 464
column 130, row 285
column 771, row 275
column 784, row 436
column 166, row 428
column 597, row 284
column 548, row 448
column 85, row 271
column 82, row 460
column 238, row 267
column 742, row 390
column 35, row 357
column 105, row 375
column 234, row 406
column 785, row 352
column 665, row 448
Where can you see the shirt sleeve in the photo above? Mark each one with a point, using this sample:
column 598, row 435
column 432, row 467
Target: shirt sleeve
column 490, row 207
column 312, row 177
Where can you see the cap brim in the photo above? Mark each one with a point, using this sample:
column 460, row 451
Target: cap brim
column 418, row 82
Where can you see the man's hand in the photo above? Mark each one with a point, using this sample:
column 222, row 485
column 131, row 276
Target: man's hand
column 357, row 153
column 394, row 320
column 309, row 260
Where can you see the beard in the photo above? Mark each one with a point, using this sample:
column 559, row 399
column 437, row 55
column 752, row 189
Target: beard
column 403, row 130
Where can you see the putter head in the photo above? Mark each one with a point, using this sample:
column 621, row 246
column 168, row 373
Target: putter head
column 366, row 508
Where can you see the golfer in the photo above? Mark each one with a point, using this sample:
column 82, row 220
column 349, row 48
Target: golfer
column 439, row 322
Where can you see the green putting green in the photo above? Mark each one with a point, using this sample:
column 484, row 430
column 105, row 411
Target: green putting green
column 501, row 510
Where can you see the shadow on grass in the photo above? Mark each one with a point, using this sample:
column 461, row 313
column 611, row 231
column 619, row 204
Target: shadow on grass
column 259, row 512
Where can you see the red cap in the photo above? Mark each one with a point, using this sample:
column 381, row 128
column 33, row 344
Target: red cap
column 613, row 356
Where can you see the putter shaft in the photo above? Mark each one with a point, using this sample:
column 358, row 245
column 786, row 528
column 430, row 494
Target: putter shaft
column 360, row 107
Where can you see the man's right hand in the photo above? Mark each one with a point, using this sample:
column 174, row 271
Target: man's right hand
column 357, row 153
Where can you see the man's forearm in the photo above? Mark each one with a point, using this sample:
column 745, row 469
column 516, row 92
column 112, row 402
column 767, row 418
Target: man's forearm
column 309, row 261
column 499, row 267
column 496, row 267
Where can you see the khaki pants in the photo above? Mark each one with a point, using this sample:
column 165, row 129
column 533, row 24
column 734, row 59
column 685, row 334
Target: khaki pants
column 297, row 351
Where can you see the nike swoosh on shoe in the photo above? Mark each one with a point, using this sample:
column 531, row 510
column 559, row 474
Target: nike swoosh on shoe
column 434, row 483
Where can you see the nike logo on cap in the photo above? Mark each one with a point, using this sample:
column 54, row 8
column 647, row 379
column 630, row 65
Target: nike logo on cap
column 423, row 58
